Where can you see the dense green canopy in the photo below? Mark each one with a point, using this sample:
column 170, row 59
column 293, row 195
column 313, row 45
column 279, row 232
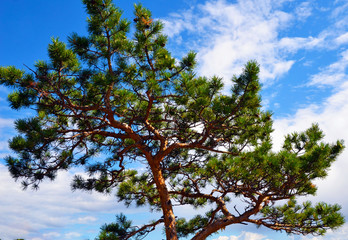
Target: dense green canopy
column 116, row 102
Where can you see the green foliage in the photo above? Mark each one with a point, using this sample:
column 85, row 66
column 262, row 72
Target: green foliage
column 115, row 231
column 121, row 229
column 304, row 218
column 138, row 189
column 113, row 100
column 185, row 228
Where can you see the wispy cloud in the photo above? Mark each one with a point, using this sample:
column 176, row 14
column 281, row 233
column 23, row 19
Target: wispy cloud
column 244, row 236
column 332, row 75
column 342, row 39
column 6, row 122
column 86, row 220
column 339, row 14
column 72, row 235
column 294, row 44
column 304, row 10
column 230, row 34
column 53, row 206
column 51, row 235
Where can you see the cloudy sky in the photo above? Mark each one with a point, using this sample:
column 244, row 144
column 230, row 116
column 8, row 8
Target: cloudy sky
column 302, row 47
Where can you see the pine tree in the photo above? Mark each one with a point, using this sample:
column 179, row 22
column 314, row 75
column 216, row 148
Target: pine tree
column 112, row 101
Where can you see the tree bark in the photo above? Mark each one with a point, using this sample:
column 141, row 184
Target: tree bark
column 167, row 208
column 211, row 228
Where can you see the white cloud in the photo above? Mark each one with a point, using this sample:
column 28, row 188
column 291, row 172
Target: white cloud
column 333, row 74
column 342, row 39
column 4, row 145
column 222, row 238
column 51, row 235
column 336, row 32
column 340, row 13
column 304, row 10
column 54, row 206
column 227, row 35
column 173, row 28
column 12, row 230
column 230, row 34
column 72, row 235
column 293, row 44
column 6, row 132
column 87, row 219
column 6, row 123
column 244, row 236
column 242, row 35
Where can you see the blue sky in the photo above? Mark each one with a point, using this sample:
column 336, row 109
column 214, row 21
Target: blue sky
column 302, row 47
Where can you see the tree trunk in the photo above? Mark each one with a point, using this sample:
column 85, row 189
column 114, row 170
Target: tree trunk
column 167, row 208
